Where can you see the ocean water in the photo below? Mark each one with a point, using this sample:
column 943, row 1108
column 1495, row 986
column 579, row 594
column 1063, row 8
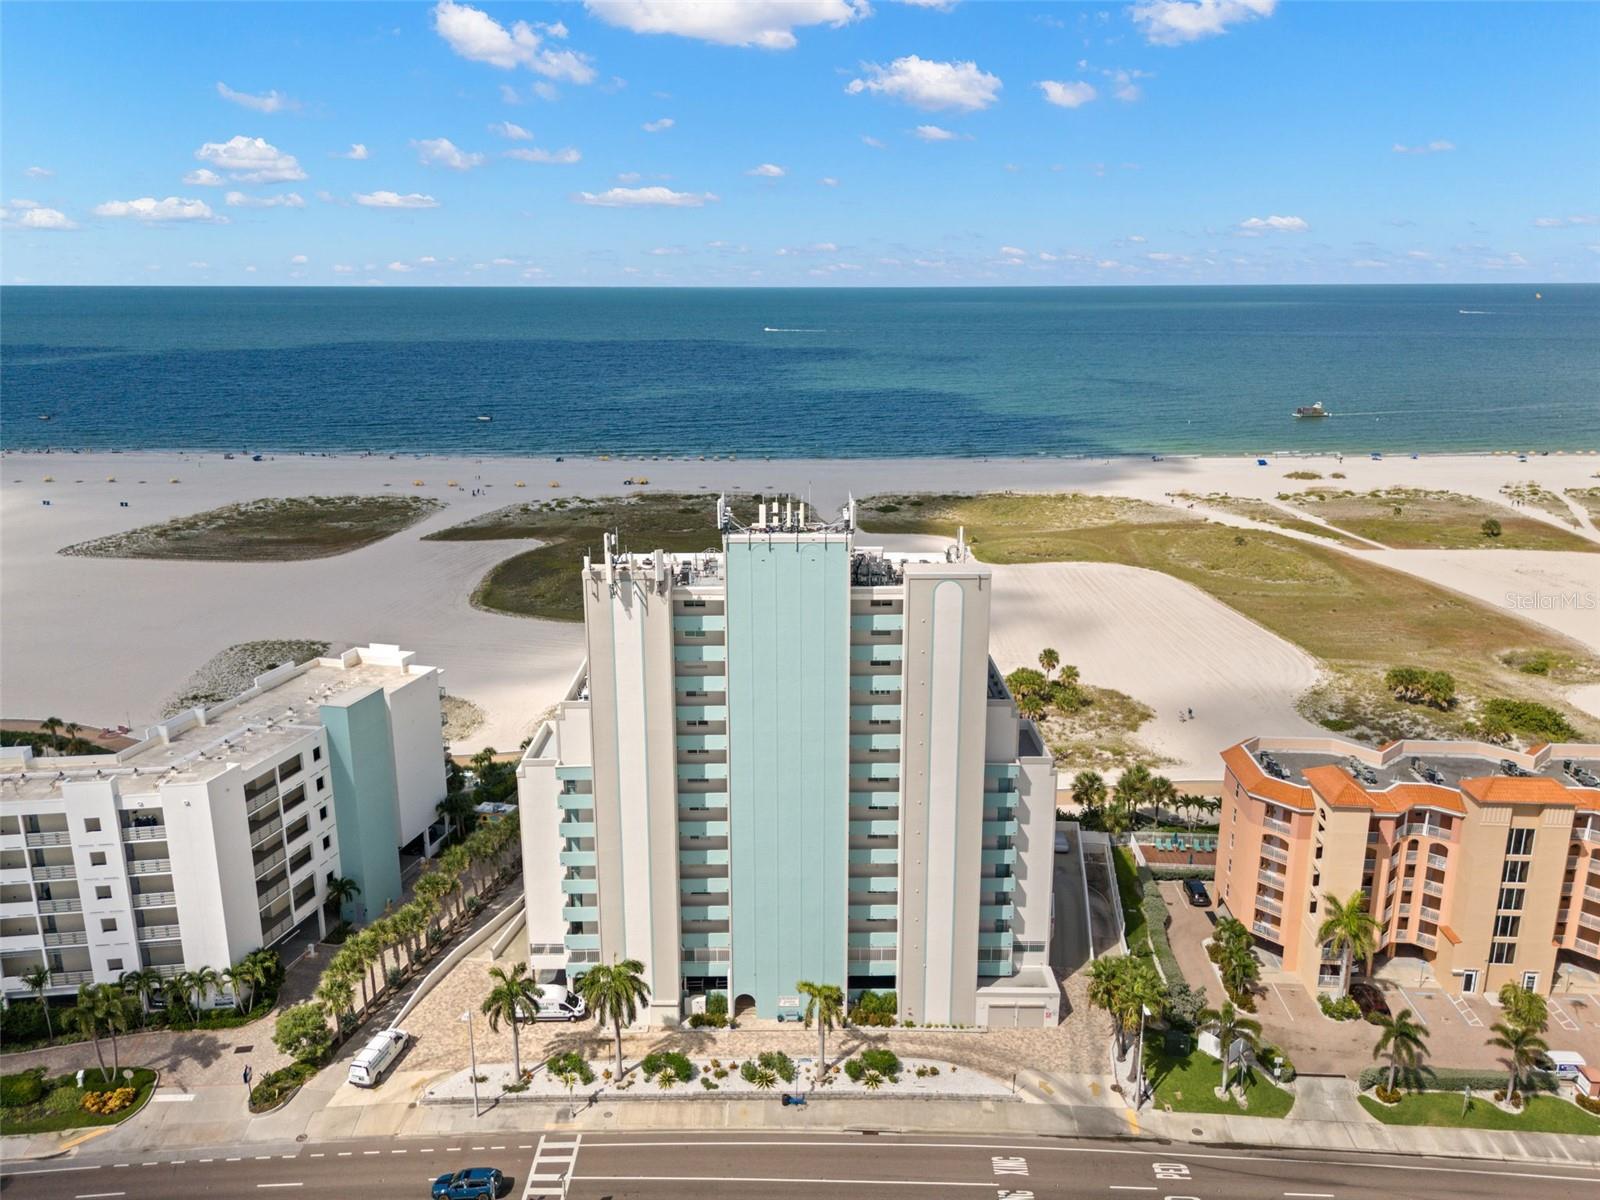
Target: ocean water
column 801, row 372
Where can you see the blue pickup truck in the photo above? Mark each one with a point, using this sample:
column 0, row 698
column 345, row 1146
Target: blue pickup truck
column 473, row 1183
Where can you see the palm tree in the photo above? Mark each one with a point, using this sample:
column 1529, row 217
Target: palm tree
column 203, row 981
column 1522, row 1046
column 1236, row 958
column 1162, row 794
column 349, row 962
column 613, row 994
column 1524, row 1008
column 1145, row 996
column 118, row 1011
column 72, row 729
column 1088, row 789
column 1031, row 705
column 1132, row 790
column 825, row 1004
column 457, row 809
column 1049, row 660
column 1403, row 1040
column 366, row 950
column 86, row 1017
column 37, row 980
column 175, row 991
column 1108, row 988
column 514, row 992
column 336, row 992
column 409, row 921
column 52, row 726
column 1230, row 1027
column 342, row 890
column 1351, row 930
column 141, row 985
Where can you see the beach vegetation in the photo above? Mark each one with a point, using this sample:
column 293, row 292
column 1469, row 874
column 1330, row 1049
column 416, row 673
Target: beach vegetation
column 1083, row 726
column 1415, row 685
column 1269, row 514
column 1588, row 499
column 1533, row 496
column 1302, row 475
column 1420, row 519
column 278, row 529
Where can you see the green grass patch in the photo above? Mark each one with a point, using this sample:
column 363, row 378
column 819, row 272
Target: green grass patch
column 1101, row 735
column 546, row 582
column 1188, row 1083
column 61, row 1104
column 1587, row 499
column 1534, row 496
column 1128, row 891
column 1414, row 519
column 271, row 530
column 1541, row 1114
column 1269, row 514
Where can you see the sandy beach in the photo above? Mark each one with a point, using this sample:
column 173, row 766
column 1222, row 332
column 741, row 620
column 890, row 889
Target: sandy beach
column 106, row 641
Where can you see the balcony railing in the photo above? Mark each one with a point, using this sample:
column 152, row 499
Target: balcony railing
column 154, row 899
column 62, row 979
column 262, row 802
column 1438, row 862
column 1274, row 853
column 66, row 872
column 273, row 932
column 262, row 832
column 1268, row 903
column 1422, row 829
column 1267, row 929
column 272, row 893
column 1589, row 921
column 1587, row 833
column 150, row 866
column 263, row 865
column 1589, row 893
column 60, row 906
column 1583, row 944
column 1432, row 888
column 144, row 833
column 1272, row 875
column 1276, row 825
column 158, row 933
column 1426, row 939
column 75, row 938
column 62, row 838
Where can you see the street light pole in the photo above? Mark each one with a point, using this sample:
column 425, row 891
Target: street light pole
column 472, row 1050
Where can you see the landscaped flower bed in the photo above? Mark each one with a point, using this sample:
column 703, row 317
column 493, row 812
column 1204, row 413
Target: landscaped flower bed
column 45, row 1105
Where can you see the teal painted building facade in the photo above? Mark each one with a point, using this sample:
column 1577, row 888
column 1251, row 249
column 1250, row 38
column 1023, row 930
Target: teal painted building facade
column 365, row 798
column 788, row 716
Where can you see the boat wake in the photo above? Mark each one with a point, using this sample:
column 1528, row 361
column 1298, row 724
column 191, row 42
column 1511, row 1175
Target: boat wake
column 1473, row 312
column 775, row 329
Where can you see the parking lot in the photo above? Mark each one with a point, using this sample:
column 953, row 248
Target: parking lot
column 1458, row 1026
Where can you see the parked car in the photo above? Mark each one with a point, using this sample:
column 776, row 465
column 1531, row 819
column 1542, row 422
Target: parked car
column 1369, row 999
column 473, row 1183
column 556, row 1003
column 377, row 1056
column 1063, row 842
column 1195, row 890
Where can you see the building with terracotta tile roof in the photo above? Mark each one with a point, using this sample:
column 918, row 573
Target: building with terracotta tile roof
column 1479, row 862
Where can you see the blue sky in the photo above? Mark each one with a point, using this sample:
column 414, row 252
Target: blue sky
column 794, row 142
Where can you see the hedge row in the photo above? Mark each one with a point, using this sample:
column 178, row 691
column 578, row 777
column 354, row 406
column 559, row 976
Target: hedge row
column 1165, row 872
column 1453, row 1079
column 1156, row 919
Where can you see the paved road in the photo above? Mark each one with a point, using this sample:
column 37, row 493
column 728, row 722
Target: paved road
column 675, row 1166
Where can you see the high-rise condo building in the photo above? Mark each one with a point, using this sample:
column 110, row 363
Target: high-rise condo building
column 219, row 832
column 791, row 759
column 1480, row 864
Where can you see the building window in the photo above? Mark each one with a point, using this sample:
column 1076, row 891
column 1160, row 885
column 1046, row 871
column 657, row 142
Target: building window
column 102, row 891
column 322, row 783
column 113, row 964
column 1507, row 927
column 316, row 754
column 97, row 858
column 1502, row 952
column 91, row 824
column 1519, row 841
column 108, row 924
column 327, row 842
column 1510, row 899
column 1515, row 872
column 322, row 813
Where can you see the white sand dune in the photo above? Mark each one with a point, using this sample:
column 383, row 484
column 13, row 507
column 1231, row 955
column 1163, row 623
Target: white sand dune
column 105, row 641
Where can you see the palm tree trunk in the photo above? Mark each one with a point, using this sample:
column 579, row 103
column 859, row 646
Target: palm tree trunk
column 822, row 1047
column 99, row 1054
column 1349, row 965
column 617, row 1025
column 516, row 1050
column 116, row 1056
column 1224, row 1070
column 1511, row 1085
column 1394, row 1066
column 50, row 1032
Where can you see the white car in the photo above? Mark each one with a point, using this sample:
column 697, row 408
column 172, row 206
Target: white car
column 557, row 1003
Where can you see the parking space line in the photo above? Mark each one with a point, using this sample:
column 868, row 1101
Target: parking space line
column 1563, row 1019
column 1411, row 1004
column 1288, row 1012
column 1465, row 1009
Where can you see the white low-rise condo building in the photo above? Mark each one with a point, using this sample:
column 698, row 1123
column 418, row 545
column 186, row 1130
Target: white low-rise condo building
column 219, row 832
column 792, row 759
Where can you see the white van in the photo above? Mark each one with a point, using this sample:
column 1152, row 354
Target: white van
column 1565, row 1064
column 377, row 1056
column 557, row 1003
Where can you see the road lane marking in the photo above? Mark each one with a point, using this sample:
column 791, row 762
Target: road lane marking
column 346, row 1153
column 278, row 1185
column 1312, row 1195
column 781, row 1179
column 1133, row 1187
column 98, row 1195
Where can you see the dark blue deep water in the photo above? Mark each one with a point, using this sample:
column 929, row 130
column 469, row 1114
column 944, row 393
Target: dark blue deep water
column 813, row 373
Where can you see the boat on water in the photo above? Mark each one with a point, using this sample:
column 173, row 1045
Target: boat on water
column 1312, row 410
column 485, row 418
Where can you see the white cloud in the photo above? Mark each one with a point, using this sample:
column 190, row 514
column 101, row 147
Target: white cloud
column 645, row 197
column 1173, row 22
column 628, row 177
column 828, row 181
column 1566, row 222
column 535, row 154
column 664, row 251
column 768, row 171
column 343, row 269
column 868, row 140
column 442, row 152
column 1013, row 252
column 251, row 160
column 1259, row 225
column 658, row 126
column 1067, row 95
column 1138, row 239
column 509, row 94
column 173, row 208
column 30, row 214
column 1123, row 84
column 358, row 152
column 923, row 83
column 269, row 102
column 200, row 265
column 39, row 173
column 299, row 260
column 1370, row 264
column 1438, row 146
column 475, row 35
column 510, row 131
column 204, row 177
column 769, row 24
column 545, row 90
column 399, row 267
column 934, row 133
column 287, row 200
column 394, row 200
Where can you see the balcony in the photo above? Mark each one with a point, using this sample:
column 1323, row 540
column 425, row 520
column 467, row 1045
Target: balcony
column 1432, row 888
column 1589, row 920
column 1587, row 947
column 699, row 653
column 582, row 941
column 272, row 933
column 267, row 862
column 159, row 933
column 1007, row 854
column 150, row 866
column 260, row 804
column 1274, row 854
column 705, row 912
column 1272, row 875
column 1425, row 939
column 71, row 906
column 75, row 938
column 874, row 912
column 577, row 858
column 154, row 899
column 1438, row 862
column 1589, row 893
column 63, row 838
column 1587, row 833
column 702, row 858
column 41, row 874
column 1423, row 829
column 1276, row 825
column 1268, row 904
column 576, row 829
column 268, row 895
column 1266, row 929
column 575, row 801
column 577, row 914
column 261, row 833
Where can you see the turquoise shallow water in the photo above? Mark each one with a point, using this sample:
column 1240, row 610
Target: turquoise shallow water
column 802, row 372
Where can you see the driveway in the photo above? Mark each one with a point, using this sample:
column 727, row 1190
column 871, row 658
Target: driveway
column 1189, row 928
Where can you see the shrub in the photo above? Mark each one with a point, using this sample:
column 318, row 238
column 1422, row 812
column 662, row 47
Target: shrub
column 1417, row 686
column 1184, row 1004
column 1270, row 1056
column 1302, row 475
column 759, row 1076
column 706, row 1082
column 273, row 1088
column 25, row 1087
column 875, row 1008
column 662, row 1060
column 394, row 976
column 885, row 1064
column 1526, row 716
column 1342, row 1009
column 1387, row 1095
column 571, row 1064
column 1182, row 872
column 302, row 1033
column 1587, row 1104
column 23, row 1021
column 779, row 1063
column 1453, row 1079
column 717, row 1005
column 1490, row 527
column 108, row 1102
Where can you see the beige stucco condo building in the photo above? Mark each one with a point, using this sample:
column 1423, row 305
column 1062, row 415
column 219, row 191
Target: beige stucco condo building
column 1481, row 864
column 789, row 757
